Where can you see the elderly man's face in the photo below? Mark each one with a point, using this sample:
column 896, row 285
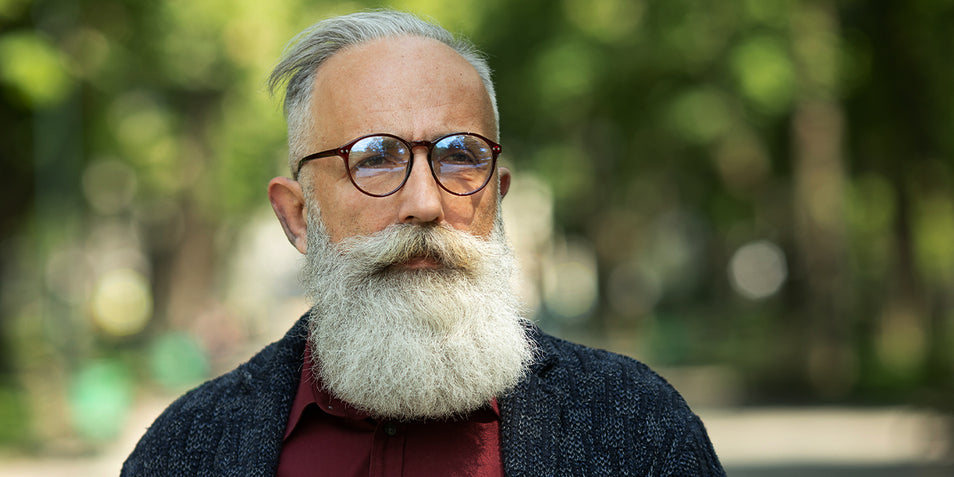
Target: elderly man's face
column 412, row 322
column 414, row 88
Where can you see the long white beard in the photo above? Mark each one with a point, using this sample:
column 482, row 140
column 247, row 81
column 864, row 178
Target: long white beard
column 414, row 344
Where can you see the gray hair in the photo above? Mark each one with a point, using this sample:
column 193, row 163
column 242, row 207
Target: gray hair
column 310, row 48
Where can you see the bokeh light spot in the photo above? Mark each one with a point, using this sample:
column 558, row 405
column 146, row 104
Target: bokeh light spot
column 758, row 269
column 122, row 302
column 177, row 361
column 608, row 20
column 763, row 67
column 100, row 397
column 109, row 185
column 700, row 115
column 33, row 67
column 570, row 284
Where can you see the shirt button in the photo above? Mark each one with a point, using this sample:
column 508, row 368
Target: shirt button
column 390, row 429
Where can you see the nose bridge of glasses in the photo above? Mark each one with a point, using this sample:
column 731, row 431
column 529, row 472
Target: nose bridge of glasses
column 420, row 180
column 423, row 154
column 420, row 150
column 420, row 147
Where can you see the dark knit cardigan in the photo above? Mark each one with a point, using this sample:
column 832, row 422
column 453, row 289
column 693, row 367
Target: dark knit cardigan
column 579, row 412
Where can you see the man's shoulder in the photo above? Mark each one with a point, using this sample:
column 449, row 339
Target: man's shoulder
column 576, row 361
column 574, row 375
column 588, row 411
column 222, row 415
column 214, row 399
column 268, row 369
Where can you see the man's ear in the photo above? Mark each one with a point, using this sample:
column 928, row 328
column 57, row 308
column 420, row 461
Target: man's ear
column 504, row 180
column 288, row 202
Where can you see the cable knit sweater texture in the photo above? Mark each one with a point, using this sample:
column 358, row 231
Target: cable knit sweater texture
column 578, row 412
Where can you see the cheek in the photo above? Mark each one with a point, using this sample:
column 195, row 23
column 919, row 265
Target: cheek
column 474, row 214
column 345, row 211
column 348, row 219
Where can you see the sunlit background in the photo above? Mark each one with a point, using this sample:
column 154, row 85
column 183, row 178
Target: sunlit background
column 755, row 197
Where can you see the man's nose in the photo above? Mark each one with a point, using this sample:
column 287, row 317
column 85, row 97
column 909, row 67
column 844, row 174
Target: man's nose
column 420, row 198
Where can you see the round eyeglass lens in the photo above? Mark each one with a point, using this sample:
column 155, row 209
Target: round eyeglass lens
column 378, row 164
column 462, row 163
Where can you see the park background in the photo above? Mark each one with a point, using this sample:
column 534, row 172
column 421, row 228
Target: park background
column 755, row 197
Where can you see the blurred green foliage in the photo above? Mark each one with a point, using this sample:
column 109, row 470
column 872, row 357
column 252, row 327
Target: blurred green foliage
column 137, row 138
column 100, row 397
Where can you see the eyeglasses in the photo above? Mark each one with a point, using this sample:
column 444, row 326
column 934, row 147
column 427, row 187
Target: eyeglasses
column 379, row 164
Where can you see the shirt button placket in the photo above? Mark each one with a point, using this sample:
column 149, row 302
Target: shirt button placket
column 387, row 459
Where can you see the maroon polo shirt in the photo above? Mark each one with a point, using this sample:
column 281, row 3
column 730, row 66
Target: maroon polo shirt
column 326, row 436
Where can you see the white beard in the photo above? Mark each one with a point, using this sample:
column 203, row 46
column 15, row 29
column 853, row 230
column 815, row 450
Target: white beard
column 414, row 344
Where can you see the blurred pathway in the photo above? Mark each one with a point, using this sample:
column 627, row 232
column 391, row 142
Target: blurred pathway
column 821, row 442
column 773, row 442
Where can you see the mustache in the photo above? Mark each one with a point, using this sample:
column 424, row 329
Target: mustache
column 399, row 243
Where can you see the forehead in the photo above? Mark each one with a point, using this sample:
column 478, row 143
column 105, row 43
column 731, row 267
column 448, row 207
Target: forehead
column 411, row 86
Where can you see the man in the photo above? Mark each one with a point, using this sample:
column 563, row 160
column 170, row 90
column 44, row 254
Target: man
column 414, row 359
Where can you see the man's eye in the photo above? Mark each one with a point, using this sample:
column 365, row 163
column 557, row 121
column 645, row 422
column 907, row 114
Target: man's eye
column 379, row 161
column 463, row 157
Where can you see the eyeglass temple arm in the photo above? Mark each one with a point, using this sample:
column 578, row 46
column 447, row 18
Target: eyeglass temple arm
column 317, row 155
